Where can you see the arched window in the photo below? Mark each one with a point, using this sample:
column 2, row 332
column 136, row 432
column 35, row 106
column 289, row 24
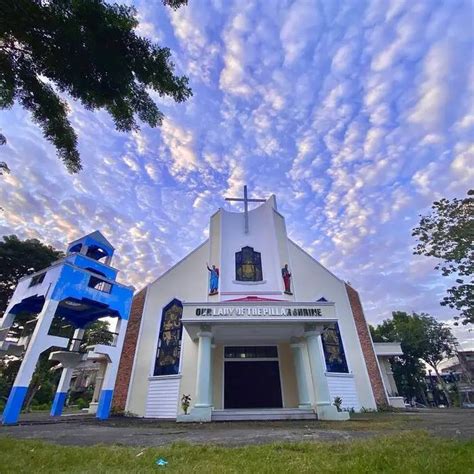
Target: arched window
column 76, row 248
column 334, row 350
column 248, row 265
column 169, row 342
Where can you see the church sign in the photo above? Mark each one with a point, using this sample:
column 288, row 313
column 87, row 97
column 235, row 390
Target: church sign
column 195, row 311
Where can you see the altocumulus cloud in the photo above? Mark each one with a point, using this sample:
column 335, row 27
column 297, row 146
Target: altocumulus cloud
column 357, row 115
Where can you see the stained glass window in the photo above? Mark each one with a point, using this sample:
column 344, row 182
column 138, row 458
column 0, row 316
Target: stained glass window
column 169, row 343
column 248, row 265
column 334, row 350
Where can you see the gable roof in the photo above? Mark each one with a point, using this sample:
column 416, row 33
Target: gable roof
column 96, row 235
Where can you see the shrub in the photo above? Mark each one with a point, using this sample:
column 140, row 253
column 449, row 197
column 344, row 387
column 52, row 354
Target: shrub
column 185, row 402
column 337, row 403
column 81, row 403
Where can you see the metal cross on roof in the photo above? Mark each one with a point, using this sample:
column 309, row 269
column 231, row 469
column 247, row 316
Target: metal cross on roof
column 246, row 201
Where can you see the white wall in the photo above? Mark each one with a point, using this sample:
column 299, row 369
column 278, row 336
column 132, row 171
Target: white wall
column 23, row 289
column 262, row 237
column 312, row 281
column 186, row 281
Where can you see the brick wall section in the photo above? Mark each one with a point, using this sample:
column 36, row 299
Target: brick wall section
column 128, row 351
column 367, row 348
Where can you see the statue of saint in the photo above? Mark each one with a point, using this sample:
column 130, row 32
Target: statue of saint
column 285, row 273
column 213, row 279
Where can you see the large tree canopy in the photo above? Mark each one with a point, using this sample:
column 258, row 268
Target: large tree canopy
column 89, row 50
column 19, row 258
column 448, row 234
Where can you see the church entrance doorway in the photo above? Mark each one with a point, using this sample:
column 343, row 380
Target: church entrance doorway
column 252, row 377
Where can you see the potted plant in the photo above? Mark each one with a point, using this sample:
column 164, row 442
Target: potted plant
column 337, row 403
column 185, row 402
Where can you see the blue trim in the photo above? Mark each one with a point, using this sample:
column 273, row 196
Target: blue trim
column 58, row 403
column 12, row 410
column 105, row 402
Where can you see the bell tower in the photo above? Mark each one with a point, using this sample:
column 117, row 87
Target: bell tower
column 80, row 288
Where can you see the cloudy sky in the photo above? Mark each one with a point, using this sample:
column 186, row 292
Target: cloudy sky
column 356, row 114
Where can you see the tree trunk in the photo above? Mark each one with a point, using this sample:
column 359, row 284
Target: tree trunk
column 443, row 385
column 31, row 393
column 423, row 396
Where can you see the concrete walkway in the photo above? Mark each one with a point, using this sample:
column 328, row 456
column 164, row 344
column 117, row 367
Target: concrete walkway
column 83, row 430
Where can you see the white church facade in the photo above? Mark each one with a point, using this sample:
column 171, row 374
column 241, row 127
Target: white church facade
column 249, row 326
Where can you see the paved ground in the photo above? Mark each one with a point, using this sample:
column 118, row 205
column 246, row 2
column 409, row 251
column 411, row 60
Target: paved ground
column 85, row 430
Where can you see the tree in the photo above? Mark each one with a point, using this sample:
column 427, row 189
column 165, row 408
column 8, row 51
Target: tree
column 448, row 234
column 422, row 337
column 89, row 50
column 8, row 369
column 19, row 258
column 408, row 370
column 97, row 332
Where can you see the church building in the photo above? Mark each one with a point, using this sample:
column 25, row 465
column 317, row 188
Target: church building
column 250, row 326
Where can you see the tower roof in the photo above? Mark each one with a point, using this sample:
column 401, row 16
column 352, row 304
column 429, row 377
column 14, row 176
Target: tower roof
column 94, row 239
column 99, row 237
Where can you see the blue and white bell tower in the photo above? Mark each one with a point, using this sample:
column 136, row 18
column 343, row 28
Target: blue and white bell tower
column 80, row 288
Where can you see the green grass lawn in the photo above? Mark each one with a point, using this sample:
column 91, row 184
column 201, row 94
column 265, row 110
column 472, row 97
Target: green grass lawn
column 405, row 453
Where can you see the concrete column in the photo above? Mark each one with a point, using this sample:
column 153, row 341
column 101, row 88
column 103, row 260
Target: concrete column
column 387, row 376
column 40, row 341
column 98, row 381
column 66, row 375
column 203, row 376
column 113, row 353
column 324, row 407
column 5, row 325
column 301, row 376
column 211, row 377
column 202, row 408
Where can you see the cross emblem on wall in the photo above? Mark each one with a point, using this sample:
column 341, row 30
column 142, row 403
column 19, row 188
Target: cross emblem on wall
column 246, row 201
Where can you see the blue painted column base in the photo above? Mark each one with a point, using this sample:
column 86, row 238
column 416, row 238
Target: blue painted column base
column 12, row 410
column 58, row 403
column 105, row 403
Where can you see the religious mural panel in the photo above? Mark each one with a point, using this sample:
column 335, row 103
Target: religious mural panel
column 169, row 343
column 334, row 350
column 248, row 265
